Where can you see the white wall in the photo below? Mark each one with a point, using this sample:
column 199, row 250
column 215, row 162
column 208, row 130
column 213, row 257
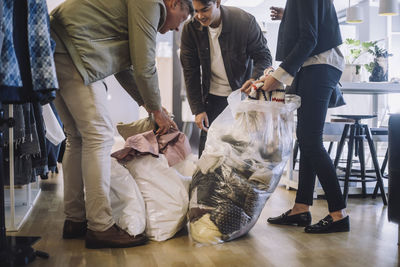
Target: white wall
column 51, row 4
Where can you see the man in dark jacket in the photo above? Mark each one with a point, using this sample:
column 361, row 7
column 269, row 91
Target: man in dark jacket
column 221, row 48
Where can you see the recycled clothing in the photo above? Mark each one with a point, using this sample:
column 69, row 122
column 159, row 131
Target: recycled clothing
column 174, row 145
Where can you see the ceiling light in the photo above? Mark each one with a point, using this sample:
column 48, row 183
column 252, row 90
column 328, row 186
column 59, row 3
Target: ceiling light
column 354, row 14
column 388, row 7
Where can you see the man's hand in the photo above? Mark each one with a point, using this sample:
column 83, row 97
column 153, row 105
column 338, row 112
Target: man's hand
column 276, row 13
column 163, row 121
column 270, row 83
column 201, row 120
column 246, row 87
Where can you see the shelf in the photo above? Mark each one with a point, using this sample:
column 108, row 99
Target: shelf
column 25, row 199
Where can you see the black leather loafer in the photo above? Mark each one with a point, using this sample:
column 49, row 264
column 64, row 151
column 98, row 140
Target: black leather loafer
column 327, row 225
column 301, row 219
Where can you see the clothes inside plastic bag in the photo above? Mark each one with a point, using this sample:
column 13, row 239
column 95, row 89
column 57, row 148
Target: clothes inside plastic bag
column 247, row 148
column 127, row 203
column 165, row 191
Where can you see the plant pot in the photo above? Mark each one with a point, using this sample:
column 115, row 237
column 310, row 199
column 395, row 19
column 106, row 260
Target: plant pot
column 380, row 70
column 350, row 73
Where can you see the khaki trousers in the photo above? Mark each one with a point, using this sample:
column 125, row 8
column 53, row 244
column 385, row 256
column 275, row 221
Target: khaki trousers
column 86, row 163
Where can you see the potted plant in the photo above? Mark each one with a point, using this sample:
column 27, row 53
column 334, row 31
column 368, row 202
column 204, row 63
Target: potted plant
column 354, row 52
column 379, row 66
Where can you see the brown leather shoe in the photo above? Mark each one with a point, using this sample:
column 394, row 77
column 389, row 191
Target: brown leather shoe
column 114, row 237
column 74, row 229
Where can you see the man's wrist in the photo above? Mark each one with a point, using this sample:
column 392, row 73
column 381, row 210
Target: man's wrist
column 155, row 112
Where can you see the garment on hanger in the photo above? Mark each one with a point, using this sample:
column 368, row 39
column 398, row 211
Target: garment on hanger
column 30, row 150
column 53, row 149
column 1, row 31
column 27, row 72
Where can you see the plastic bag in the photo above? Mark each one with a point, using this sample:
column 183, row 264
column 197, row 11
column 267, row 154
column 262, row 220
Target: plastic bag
column 127, row 203
column 165, row 192
column 246, row 151
column 54, row 131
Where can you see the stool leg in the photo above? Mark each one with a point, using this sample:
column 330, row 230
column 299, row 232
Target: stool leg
column 330, row 148
column 383, row 168
column 341, row 145
column 376, row 164
column 361, row 156
column 384, row 163
column 349, row 163
column 295, row 151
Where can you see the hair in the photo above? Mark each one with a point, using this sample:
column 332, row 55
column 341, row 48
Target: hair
column 206, row 2
column 189, row 4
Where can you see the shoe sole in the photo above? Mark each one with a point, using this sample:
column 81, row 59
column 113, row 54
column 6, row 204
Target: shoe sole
column 292, row 224
column 328, row 232
column 70, row 236
column 98, row 245
column 73, row 236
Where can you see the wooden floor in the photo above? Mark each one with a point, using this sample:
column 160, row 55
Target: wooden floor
column 371, row 242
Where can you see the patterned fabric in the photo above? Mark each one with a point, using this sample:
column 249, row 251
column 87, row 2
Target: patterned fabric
column 9, row 70
column 40, row 48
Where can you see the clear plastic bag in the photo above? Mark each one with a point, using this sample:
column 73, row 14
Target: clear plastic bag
column 247, row 148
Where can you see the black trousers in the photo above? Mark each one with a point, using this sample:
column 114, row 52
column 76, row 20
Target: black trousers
column 214, row 106
column 315, row 84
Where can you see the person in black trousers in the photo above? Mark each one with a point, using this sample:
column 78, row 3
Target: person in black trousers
column 312, row 64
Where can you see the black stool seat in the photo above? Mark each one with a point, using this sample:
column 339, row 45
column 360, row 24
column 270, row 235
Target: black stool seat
column 355, row 117
column 356, row 133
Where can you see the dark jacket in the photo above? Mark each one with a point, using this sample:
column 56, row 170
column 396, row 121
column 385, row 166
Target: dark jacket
column 308, row 28
column 241, row 42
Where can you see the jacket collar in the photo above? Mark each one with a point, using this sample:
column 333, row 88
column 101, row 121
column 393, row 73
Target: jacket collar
column 226, row 25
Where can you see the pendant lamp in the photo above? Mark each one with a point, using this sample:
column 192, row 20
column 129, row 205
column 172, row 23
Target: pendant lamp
column 354, row 14
column 388, row 7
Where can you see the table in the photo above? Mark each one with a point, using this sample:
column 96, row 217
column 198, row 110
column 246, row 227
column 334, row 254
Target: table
column 366, row 88
column 371, row 88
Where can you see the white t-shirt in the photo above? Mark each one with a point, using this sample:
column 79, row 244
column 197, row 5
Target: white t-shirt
column 219, row 84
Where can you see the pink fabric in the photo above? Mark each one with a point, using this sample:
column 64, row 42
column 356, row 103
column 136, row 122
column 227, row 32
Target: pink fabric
column 174, row 145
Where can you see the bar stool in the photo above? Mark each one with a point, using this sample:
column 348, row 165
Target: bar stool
column 331, row 133
column 381, row 134
column 358, row 133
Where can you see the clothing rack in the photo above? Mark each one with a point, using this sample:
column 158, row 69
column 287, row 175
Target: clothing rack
column 14, row 250
column 26, row 207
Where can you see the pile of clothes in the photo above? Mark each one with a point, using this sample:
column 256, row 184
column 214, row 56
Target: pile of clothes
column 247, row 148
